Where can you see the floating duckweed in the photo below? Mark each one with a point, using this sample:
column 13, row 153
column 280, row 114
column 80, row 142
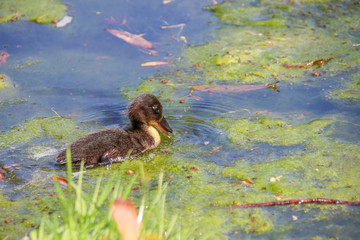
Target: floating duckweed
column 351, row 89
column 253, row 221
column 328, row 168
column 3, row 81
column 271, row 130
column 29, row 63
column 39, row 11
column 11, row 102
column 56, row 127
column 271, row 35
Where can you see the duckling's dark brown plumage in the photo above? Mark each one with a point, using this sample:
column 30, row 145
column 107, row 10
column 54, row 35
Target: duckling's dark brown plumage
column 115, row 144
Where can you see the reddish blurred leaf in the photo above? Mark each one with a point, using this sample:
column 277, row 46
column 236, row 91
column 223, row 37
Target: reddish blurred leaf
column 153, row 64
column 233, row 88
column 112, row 20
column 244, row 182
column 73, row 115
column 125, row 216
column 9, row 166
column 195, row 97
column 136, row 40
column 301, row 116
column 61, row 180
column 262, row 112
column 3, row 57
column 278, row 198
column 317, row 63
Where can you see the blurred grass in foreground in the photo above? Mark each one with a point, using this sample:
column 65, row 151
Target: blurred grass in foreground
column 84, row 215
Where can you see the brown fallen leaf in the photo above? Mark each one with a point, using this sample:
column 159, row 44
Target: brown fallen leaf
column 10, row 165
column 153, row 64
column 317, row 63
column 233, row 88
column 130, row 172
column 61, row 180
column 3, row 57
column 125, row 215
column 73, row 115
column 136, row 40
column 244, row 182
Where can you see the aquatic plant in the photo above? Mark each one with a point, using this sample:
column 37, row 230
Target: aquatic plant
column 84, row 215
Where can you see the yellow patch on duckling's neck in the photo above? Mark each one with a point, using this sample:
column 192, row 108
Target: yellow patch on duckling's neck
column 155, row 134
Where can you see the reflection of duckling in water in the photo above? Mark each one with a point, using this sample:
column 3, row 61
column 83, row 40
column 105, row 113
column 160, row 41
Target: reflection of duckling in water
column 113, row 145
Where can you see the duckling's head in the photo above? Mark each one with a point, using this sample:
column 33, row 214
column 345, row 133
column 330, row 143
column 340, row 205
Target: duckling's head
column 146, row 110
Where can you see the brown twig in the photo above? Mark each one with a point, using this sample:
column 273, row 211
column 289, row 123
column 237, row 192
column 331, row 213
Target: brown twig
column 300, row 201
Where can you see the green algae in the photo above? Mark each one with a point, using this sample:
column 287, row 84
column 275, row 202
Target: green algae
column 28, row 63
column 39, row 11
column 11, row 102
column 203, row 191
column 274, row 131
column 4, row 81
column 35, row 198
column 255, row 49
column 350, row 90
column 55, row 127
column 247, row 14
column 259, row 39
column 253, row 221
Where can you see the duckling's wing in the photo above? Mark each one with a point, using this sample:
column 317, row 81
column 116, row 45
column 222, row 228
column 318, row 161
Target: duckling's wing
column 91, row 148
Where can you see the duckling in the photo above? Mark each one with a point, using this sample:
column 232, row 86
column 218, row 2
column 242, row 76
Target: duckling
column 115, row 144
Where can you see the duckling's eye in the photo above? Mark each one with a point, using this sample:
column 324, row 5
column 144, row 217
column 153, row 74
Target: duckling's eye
column 156, row 109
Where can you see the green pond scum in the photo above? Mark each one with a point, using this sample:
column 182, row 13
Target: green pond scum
column 350, row 90
column 258, row 39
column 254, row 45
column 273, row 131
column 56, row 127
column 39, row 11
column 4, row 81
column 273, row 157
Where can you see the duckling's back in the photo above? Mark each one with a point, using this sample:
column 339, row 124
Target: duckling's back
column 107, row 146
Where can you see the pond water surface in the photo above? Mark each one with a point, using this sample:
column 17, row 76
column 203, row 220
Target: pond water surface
column 301, row 136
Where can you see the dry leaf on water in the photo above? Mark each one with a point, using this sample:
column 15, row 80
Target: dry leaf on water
column 136, row 40
column 153, row 64
column 64, row 22
column 10, row 166
column 125, row 216
column 61, row 180
column 244, row 182
column 3, row 57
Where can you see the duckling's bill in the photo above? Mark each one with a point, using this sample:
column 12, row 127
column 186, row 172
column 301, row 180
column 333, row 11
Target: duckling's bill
column 163, row 126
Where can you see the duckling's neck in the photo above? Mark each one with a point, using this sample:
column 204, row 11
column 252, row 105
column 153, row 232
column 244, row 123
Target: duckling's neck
column 154, row 134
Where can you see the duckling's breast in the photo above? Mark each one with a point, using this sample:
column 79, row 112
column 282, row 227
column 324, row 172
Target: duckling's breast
column 155, row 135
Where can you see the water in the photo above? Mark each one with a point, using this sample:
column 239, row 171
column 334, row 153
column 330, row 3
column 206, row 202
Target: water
column 79, row 72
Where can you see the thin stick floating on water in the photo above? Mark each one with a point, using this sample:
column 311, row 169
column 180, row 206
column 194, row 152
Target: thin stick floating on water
column 300, row 201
